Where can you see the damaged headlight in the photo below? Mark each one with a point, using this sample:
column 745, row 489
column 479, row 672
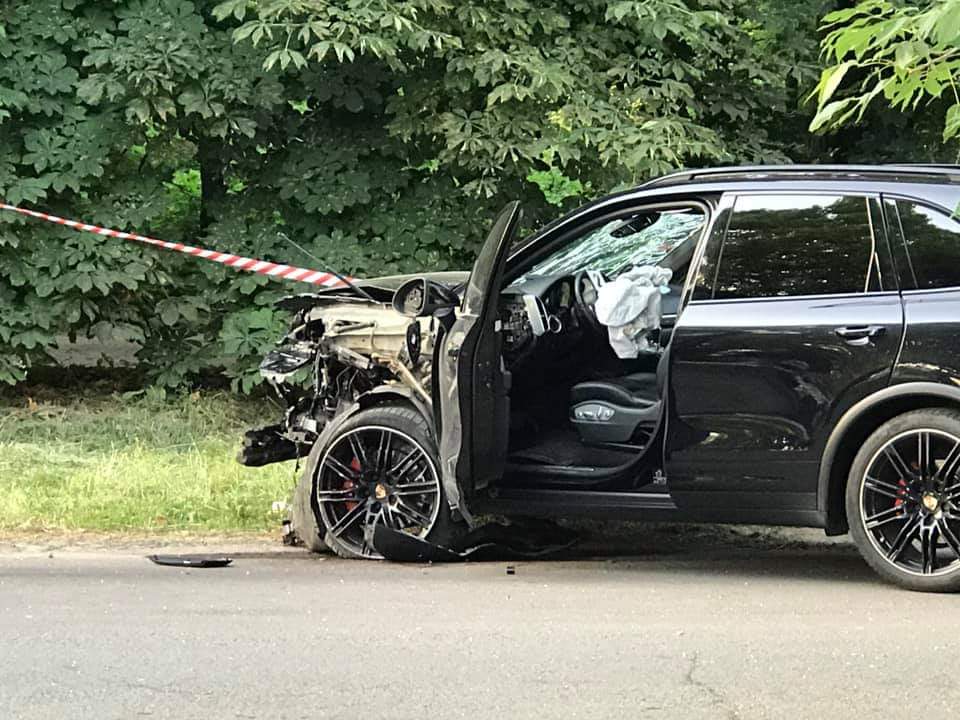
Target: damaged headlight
column 279, row 365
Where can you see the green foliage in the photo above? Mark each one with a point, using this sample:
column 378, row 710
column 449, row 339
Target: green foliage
column 246, row 338
column 380, row 136
column 618, row 90
column 149, row 117
column 555, row 186
column 906, row 54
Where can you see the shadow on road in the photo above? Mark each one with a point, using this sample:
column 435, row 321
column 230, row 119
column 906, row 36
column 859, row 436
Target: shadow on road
column 748, row 552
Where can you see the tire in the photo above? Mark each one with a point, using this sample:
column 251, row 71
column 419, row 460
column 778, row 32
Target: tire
column 339, row 486
column 903, row 500
column 303, row 518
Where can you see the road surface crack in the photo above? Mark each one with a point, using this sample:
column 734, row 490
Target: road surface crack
column 716, row 696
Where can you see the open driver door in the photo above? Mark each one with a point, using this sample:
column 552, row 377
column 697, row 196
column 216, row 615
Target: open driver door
column 473, row 384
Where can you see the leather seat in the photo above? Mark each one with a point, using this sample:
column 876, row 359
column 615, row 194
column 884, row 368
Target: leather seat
column 637, row 390
column 612, row 410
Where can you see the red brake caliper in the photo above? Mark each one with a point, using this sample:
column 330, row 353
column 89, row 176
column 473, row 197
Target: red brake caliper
column 350, row 484
column 901, row 493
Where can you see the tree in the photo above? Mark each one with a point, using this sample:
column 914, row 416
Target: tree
column 908, row 55
column 608, row 92
column 380, row 135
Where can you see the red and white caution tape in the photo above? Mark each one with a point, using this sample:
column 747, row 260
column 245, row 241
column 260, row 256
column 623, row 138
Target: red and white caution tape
column 262, row 267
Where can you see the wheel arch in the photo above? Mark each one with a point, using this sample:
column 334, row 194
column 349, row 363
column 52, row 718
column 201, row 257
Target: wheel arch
column 392, row 394
column 855, row 426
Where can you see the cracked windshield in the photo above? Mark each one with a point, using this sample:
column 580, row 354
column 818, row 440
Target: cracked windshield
column 644, row 239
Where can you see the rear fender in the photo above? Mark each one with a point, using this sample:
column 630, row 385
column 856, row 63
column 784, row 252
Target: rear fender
column 855, row 425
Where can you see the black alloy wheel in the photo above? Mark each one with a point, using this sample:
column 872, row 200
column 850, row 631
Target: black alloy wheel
column 373, row 473
column 903, row 500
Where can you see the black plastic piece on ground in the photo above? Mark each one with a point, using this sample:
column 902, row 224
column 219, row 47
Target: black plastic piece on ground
column 532, row 539
column 403, row 547
column 191, row 561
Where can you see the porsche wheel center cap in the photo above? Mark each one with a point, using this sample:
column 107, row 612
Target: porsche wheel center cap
column 380, row 491
column 931, row 502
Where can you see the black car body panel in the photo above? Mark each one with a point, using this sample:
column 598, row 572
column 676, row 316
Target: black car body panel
column 758, row 387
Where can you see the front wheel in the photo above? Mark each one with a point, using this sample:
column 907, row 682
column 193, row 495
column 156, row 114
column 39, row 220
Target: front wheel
column 903, row 500
column 378, row 467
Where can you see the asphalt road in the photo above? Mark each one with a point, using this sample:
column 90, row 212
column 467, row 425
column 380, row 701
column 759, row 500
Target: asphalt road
column 701, row 626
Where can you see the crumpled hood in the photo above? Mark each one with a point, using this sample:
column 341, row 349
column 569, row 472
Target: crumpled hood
column 392, row 282
column 381, row 289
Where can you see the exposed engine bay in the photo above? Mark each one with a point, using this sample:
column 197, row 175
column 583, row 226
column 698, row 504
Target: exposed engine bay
column 342, row 347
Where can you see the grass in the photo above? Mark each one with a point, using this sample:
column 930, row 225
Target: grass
column 141, row 462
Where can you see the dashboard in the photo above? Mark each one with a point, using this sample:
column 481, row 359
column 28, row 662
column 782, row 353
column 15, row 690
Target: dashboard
column 546, row 309
column 536, row 309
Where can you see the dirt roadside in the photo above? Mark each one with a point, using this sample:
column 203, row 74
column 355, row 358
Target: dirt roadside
column 597, row 540
column 142, row 543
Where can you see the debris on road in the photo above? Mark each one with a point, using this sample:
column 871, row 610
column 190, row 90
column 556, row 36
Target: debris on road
column 493, row 541
column 191, row 561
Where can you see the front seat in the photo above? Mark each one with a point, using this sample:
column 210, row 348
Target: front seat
column 611, row 411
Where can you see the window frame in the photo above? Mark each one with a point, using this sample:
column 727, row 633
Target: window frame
column 726, row 208
column 912, row 284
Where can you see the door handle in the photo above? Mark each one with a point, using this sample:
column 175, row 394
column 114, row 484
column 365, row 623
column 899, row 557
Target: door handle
column 859, row 334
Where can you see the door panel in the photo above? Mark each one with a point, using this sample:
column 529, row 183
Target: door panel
column 795, row 317
column 473, row 384
column 756, row 386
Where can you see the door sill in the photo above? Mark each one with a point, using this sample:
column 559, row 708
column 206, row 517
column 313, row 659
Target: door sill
column 579, row 503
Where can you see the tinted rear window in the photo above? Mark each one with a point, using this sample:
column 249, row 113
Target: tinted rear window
column 933, row 243
column 792, row 245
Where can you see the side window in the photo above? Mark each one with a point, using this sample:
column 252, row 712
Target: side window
column 932, row 238
column 794, row 245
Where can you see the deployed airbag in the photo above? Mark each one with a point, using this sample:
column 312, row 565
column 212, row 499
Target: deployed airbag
column 630, row 307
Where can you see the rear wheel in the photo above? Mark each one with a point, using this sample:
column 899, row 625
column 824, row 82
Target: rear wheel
column 378, row 467
column 903, row 500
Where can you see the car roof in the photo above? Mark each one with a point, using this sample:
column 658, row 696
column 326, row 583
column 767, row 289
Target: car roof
column 890, row 173
column 937, row 185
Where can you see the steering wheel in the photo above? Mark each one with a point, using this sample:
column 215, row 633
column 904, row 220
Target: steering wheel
column 585, row 295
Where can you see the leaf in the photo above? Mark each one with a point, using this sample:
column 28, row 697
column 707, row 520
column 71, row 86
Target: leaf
column 139, row 108
column 164, row 106
column 169, row 314
column 193, row 101
column 951, row 125
column 828, row 115
column 90, row 90
column 830, row 80
column 237, row 8
column 28, row 190
column 946, row 29
column 244, row 126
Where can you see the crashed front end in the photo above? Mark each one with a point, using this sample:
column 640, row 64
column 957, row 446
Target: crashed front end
column 342, row 347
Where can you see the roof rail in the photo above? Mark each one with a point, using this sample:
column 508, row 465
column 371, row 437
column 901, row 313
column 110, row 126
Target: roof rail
column 909, row 169
column 925, row 166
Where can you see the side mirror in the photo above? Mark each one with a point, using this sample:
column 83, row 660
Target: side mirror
column 422, row 297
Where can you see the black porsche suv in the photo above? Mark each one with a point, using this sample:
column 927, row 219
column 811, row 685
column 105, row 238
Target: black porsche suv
column 808, row 373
